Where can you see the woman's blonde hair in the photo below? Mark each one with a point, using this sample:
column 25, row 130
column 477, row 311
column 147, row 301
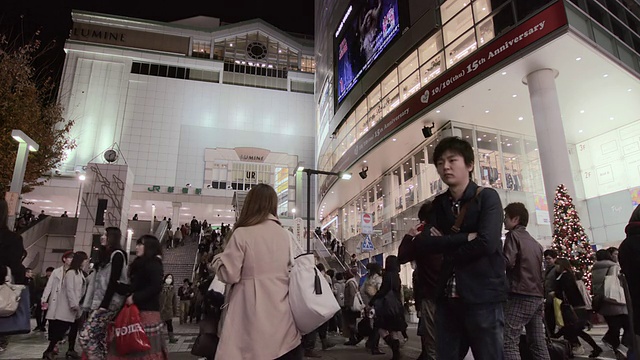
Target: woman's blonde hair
column 261, row 202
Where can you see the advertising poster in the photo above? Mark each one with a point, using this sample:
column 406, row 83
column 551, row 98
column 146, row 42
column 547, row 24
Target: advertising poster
column 635, row 196
column 366, row 29
column 542, row 210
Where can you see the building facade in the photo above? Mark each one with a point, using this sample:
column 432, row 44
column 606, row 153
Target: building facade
column 546, row 92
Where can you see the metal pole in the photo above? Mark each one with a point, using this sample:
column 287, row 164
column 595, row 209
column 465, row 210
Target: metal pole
column 309, row 212
column 78, row 201
column 18, row 177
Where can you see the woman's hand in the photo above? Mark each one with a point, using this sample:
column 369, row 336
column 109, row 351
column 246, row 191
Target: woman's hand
column 130, row 300
column 414, row 230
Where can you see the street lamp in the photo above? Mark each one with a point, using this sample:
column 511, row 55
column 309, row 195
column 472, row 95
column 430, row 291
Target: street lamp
column 82, row 178
column 342, row 175
column 26, row 144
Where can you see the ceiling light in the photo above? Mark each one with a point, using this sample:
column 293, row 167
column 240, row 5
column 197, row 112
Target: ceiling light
column 479, row 139
column 536, row 149
column 629, row 90
column 486, row 111
column 394, row 139
column 514, row 95
column 580, row 131
column 581, row 111
column 438, row 111
column 605, row 75
column 520, row 118
column 504, row 73
column 611, row 118
column 578, row 58
column 365, row 161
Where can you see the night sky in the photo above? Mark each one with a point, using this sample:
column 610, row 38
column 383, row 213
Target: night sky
column 20, row 19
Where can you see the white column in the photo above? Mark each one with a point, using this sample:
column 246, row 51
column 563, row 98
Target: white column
column 175, row 217
column 552, row 143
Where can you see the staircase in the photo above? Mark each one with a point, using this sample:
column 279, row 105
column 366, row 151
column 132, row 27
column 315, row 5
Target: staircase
column 329, row 260
column 180, row 261
column 238, row 201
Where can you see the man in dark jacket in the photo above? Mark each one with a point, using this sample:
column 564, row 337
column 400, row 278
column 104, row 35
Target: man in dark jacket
column 426, row 280
column 472, row 284
column 523, row 255
column 628, row 256
column 550, row 275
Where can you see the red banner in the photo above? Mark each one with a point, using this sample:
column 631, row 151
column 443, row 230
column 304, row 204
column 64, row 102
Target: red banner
column 519, row 38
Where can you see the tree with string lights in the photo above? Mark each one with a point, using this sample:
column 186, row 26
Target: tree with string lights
column 569, row 238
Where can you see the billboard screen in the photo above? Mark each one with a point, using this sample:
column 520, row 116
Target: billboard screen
column 366, row 29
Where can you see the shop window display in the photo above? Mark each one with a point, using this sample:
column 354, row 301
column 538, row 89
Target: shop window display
column 489, row 160
column 390, row 102
column 409, row 187
column 410, row 85
column 461, row 48
column 481, row 8
column 430, row 48
column 532, row 169
column 457, row 26
column 432, row 68
column 512, row 157
column 451, row 7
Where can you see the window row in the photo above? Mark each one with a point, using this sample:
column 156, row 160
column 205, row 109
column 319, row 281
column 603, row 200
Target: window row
column 174, row 72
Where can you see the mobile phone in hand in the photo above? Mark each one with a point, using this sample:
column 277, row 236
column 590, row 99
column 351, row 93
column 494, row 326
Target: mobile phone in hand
column 421, row 227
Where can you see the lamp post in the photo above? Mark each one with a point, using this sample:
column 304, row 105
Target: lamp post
column 26, row 144
column 82, row 178
column 342, row 175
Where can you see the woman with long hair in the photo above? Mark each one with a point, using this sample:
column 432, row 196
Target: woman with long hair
column 350, row 317
column 146, row 277
column 389, row 318
column 105, row 294
column 169, row 305
column 64, row 308
column 255, row 262
column 566, row 289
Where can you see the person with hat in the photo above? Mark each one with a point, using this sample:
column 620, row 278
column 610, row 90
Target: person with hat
column 54, row 284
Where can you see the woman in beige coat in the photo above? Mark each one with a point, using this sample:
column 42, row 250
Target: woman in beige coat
column 258, row 324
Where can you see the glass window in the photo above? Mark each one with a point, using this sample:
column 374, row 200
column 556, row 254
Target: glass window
column 408, row 66
column 489, row 160
column 374, row 97
column 389, row 83
column 361, row 110
column 375, row 115
column 512, row 153
column 456, row 27
column 351, row 122
column 485, row 31
column 201, row 49
column 430, row 47
column 451, row 7
column 410, row 86
column 363, row 127
column 481, row 8
column 461, row 48
column 390, row 102
column 431, row 69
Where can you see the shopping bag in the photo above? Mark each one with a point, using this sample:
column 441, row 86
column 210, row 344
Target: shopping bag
column 358, row 304
column 557, row 312
column 217, row 285
column 10, row 298
column 128, row 333
column 613, row 291
column 20, row 321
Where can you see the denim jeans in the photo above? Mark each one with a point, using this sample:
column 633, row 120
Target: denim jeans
column 462, row 326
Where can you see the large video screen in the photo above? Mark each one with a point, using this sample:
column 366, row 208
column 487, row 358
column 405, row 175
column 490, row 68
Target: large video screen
column 366, row 29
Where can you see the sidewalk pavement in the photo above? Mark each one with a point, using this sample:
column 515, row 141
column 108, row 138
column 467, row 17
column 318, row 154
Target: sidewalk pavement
column 31, row 346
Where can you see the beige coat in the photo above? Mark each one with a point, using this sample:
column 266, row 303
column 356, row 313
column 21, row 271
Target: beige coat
column 259, row 324
column 64, row 302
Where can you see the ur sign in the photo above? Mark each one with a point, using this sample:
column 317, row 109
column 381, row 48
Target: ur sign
column 367, row 224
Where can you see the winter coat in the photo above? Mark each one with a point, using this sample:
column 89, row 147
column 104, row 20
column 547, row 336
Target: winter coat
column 370, row 287
column 64, row 302
column 146, row 283
column 598, row 273
column 53, row 284
column 350, row 290
column 11, row 249
column 629, row 253
column 168, row 303
column 338, row 291
column 258, row 323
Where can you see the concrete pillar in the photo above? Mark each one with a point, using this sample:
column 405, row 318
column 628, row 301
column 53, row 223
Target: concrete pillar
column 552, row 143
column 110, row 182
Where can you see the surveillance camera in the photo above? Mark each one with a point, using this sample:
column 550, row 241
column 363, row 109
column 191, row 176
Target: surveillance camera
column 363, row 173
column 188, row 185
column 427, row 131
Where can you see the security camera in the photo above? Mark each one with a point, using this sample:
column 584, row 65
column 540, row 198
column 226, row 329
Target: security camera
column 427, row 131
column 188, row 185
column 363, row 173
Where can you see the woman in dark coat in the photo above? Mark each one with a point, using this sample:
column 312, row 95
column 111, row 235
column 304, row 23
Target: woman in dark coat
column 628, row 255
column 567, row 290
column 389, row 318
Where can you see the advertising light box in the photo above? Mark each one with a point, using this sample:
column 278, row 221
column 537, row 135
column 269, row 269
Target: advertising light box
column 366, row 29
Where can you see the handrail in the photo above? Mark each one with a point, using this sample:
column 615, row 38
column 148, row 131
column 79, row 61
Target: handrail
column 360, row 263
column 331, row 254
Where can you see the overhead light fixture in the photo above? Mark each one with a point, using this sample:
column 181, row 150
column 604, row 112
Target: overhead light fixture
column 520, row 118
column 486, row 111
column 514, row 95
column 578, row 58
column 581, row 111
column 345, row 176
column 427, row 131
column 611, row 118
column 605, row 75
column 438, row 111
column 580, row 131
column 504, row 73
column 82, row 177
column 363, row 173
column 394, row 139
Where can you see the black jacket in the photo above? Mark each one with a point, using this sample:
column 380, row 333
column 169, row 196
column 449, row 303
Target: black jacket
column 629, row 253
column 567, row 288
column 11, row 249
column 479, row 265
column 427, row 268
column 146, row 283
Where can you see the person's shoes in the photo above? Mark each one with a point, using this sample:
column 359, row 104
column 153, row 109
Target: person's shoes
column 595, row 353
column 312, row 354
column 326, row 344
column 172, row 339
column 394, row 344
column 376, row 351
column 578, row 350
column 49, row 355
column 352, row 342
column 72, row 355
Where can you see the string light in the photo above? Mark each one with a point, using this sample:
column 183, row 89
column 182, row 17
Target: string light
column 569, row 238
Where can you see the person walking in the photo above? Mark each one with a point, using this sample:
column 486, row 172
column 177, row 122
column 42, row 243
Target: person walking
column 567, row 291
column 105, row 294
column 255, row 263
column 146, row 276
column 349, row 316
column 389, row 320
column 169, row 305
column 369, row 289
column 185, row 294
column 64, row 307
column 177, row 237
column 628, row 255
column 616, row 315
column 525, row 302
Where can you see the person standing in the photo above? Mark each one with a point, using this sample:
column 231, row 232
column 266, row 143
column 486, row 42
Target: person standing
column 106, row 293
column 426, row 279
column 255, row 262
column 567, row 290
column 54, row 284
column 146, row 274
column 64, row 306
column 550, row 275
column 616, row 315
column 169, row 305
column 185, row 294
column 472, row 283
column 628, row 255
column 525, row 302
column 177, row 237
column 11, row 246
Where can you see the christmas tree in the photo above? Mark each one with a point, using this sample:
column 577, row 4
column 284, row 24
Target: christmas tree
column 569, row 239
